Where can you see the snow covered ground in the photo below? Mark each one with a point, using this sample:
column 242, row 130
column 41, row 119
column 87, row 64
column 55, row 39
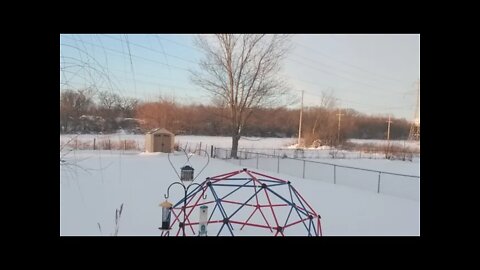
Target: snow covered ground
column 100, row 181
column 401, row 143
column 192, row 140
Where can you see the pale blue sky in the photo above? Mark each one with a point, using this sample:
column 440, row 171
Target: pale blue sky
column 374, row 74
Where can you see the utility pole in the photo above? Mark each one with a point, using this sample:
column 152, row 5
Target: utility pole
column 415, row 127
column 339, row 121
column 388, row 138
column 300, row 125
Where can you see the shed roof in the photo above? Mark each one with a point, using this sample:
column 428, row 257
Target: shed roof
column 160, row 131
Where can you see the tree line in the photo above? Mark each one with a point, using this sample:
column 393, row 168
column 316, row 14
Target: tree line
column 89, row 111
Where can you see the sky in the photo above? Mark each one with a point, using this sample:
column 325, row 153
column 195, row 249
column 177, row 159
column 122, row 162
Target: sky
column 371, row 73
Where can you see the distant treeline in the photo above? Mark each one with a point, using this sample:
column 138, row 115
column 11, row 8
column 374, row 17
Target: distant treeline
column 87, row 111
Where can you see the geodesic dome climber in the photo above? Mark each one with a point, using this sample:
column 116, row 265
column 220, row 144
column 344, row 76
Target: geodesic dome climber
column 243, row 202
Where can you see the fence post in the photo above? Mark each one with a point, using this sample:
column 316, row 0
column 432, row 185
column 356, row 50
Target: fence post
column 93, row 143
column 109, row 146
column 303, row 169
column 211, row 151
column 334, row 174
column 257, row 160
column 278, row 164
column 378, row 187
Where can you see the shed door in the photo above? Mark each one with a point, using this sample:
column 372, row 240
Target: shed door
column 166, row 143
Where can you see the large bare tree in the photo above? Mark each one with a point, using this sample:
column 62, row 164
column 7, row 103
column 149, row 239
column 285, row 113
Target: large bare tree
column 241, row 73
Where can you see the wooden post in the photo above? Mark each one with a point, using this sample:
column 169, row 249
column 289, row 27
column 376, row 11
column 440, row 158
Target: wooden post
column 303, row 176
column 278, row 164
column 378, row 187
column 334, row 174
column 93, row 143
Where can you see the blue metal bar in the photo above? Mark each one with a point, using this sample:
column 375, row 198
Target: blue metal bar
column 241, row 206
column 285, row 200
column 211, row 215
column 217, row 200
column 278, row 184
column 220, row 206
column 286, row 221
column 314, row 229
column 296, row 209
column 236, row 189
column 310, row 226
column 300, row 200
column 221, row 228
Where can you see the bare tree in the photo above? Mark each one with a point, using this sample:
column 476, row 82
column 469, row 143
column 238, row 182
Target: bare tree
column 240, row 71
column 74, row 104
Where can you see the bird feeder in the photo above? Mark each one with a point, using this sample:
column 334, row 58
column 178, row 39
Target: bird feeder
column 166, row 210
column 203, row 220
column 186, row 174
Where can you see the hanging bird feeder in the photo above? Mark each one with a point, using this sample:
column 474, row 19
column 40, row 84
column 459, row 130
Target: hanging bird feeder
column 203, row 220
column 166, row 214
column 186, row 174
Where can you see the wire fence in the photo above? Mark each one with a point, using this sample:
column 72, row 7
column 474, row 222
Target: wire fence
column 127, row 145
column 392, row 152
column 402, row 185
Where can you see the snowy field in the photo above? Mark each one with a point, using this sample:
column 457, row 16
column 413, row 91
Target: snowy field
column 226, row 142
column 100, row 181
column 409, row 144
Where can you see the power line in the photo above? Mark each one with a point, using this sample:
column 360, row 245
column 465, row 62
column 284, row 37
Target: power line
column 348, row 64
column 153, row 50
column 133, row 55
column 331, row 67
column 331, row 73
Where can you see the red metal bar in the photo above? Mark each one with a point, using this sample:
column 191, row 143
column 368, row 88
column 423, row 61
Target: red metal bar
column 195, row 204
column 249, row 218
column 300, row 207
column 198, row 204
column 260, row 209
column 271, row 207
column 250, row 224
column 214, row 221
column 274, row 205
column 271, row 177
column 296, row 192
column 227, row 201
column 296, row 222
column 221, row 175
column 228, row 175
column 176, row 218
